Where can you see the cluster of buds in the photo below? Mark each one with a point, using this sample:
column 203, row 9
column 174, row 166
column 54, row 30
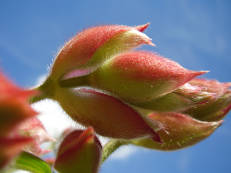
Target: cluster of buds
column 102, row 83
column 137, row 96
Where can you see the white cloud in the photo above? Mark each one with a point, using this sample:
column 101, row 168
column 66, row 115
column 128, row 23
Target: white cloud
column 124, row 152
column 103, row 139
column 21, row 171
column 41, row 79
column 53, row 117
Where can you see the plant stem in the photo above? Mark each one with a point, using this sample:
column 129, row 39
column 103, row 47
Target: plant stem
column 112, row 146
column 36, row 98
column 46, row 90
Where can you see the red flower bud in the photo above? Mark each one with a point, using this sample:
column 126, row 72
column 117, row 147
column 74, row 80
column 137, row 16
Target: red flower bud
column 80, row 151
column 91, row 47
column 179, row 131
column 108, row 115
column 140, row 76
column 217, row 106
column 180, row 100
column 172, row 102
column 99, row 83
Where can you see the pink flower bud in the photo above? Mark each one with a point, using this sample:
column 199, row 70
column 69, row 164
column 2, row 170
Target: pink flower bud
column 217, row 106
column 91, row 47
column 180, row 100
column 140, row 76
column 172, row 102
column 108, row 115
column 179, row 131
column 80, row 151
column 99, row 83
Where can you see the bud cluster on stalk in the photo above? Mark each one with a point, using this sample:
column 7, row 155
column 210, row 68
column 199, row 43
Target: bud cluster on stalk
column 140, row 96
column 101, row 82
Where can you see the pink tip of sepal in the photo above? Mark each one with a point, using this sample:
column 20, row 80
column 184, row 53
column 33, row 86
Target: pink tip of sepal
column 141, row 28
column 150, row 43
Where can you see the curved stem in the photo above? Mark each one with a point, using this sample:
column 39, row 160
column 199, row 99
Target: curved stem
column 36, row 98
column 112, row 146
column 46, row 90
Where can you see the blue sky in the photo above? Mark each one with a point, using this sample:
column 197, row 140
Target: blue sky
column 194, row 33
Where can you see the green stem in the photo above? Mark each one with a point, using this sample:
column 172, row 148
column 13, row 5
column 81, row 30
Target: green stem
column 112, row 146
column 46, row 90
column 37, row 98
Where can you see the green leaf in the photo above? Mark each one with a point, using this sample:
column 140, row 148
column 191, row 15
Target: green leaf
column 32, row 163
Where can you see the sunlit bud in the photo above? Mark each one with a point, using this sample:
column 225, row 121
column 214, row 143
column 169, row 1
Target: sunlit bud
column 168, row 103
column 219, row 103
column 80, row 151
column 180, row 100
column 91, row 47
column 107, row 114
column 140, row 76
column 179, row 131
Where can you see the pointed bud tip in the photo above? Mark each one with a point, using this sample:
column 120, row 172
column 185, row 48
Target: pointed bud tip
column 201, row 72
column 151, row 43
column 141, row 28
column 213, row 125
column 226, row 110
column 89, row 131
column 218, row 123
column 197, row 73
column 145, row 39
column 148, row 41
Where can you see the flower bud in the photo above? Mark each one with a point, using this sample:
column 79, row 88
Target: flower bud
column 140, row 76
column 90, row 48
column 80, row 151
column 217, row 106
column 99, row 83
column 179, row 131
column 108, row 115
column 172, row 102
column 180, row 100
